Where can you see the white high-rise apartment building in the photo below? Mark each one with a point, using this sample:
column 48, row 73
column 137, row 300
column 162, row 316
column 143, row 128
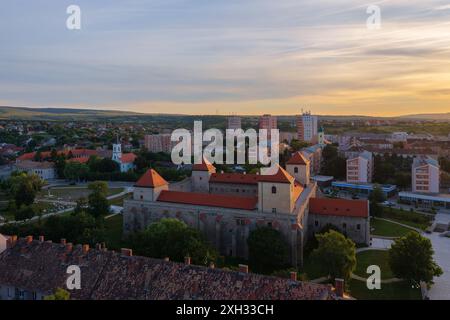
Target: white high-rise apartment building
column 307, row 127
column 425, row 175
column 360, row 168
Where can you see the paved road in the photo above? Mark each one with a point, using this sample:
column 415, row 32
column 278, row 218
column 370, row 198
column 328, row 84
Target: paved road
column 441, row 245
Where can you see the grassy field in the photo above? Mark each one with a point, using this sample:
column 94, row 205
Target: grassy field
column 114, row 228
column 413, row 219
column 391, row 291
column 388, row 229
column 119, row 201
column 373, row 257
column 75, row 193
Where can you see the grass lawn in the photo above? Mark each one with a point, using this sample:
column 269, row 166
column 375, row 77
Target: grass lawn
column 373, row 257
column 391, row 291
column 388, row 229
column 75, row 193
column 413, row 219
column 119, row 201
column 114, row 232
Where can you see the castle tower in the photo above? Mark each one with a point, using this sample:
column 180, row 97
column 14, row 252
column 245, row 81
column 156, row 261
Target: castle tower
column 200, row 176
column 276, row 192
column 300, row 168
column 149, row 186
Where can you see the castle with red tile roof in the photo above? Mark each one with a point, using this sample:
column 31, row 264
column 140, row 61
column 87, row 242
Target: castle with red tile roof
column 226, row 207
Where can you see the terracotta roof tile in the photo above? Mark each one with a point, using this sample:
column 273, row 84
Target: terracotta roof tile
column 151, row 179
column 204, row 166
column 209, row 200
column 339, row 207
column 298, row 158
column 237, row 178
column 281, row 176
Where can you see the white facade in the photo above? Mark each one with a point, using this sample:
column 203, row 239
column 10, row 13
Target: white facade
column 45, row 170
column 307, row 127
column 425, row 175
column 360, row 169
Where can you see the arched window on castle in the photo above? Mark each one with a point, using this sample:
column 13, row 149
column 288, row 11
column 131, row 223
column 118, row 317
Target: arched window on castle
column 295, row 169
column 274, row 189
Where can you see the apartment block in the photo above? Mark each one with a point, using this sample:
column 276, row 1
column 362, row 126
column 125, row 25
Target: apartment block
column 425, row 175
column 360, row 168
column 307, row 127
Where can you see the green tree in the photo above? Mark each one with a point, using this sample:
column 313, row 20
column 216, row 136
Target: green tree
column 297, row 145
column 97, row 200
column 174, row 239
column 335, row 255
column 60, row 294
column 375, row 198
column 24, row 213
column 411, row 258
column 75, row 171
column 24, row 187
column 267, row 250
column 333, row 164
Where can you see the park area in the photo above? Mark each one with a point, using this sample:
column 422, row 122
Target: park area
column 72, row 193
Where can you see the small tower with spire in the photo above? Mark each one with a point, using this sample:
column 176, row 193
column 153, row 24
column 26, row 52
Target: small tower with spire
column 117, row 151
column 321, row 136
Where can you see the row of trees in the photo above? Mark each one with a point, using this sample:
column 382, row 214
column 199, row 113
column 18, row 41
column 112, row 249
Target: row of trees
column 84, row 225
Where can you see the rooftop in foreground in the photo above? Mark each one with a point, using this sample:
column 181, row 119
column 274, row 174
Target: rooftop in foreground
column 41, row 266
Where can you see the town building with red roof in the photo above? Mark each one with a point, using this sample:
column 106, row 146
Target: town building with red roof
column 350, row 217
column 226, row 207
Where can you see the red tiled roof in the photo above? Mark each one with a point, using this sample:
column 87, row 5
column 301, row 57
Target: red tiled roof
column 80, row 160
column 204, row 166
column 234, row 178
column 297, row 158
column 298, row 189
column 128, row 157
column 281, row 176
column 339, row 207
column 209, row 200
column 151, row 179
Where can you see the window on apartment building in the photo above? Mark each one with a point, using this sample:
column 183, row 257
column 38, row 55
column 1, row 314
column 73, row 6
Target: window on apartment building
column 142, row 197
column 274, row 210
column 274, row 189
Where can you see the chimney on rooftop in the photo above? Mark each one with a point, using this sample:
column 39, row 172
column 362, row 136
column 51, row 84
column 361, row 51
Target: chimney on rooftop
column 41, row 238
column 339, row 285
column 29, row 239
column 243, row 268
column 187, row 260
column 63, row 242
column 294, row 276
column 127, row 252
column 85, row 248
column 69, row 247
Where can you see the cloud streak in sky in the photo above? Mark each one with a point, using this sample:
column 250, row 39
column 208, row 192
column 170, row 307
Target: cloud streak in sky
column 250, row 57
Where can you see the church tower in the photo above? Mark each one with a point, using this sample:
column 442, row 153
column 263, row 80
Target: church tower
column 117, row 152
column 321, row 136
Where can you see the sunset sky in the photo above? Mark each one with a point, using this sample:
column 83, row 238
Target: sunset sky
column 227, row 56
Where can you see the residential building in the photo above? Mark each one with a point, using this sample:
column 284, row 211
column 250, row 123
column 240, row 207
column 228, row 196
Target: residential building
column 234, row 123
column 307, row 127
column 360, row 168
column 425, row 175
column 158, row 143
column 32, row 269
column 269, row 123
column 45, row 170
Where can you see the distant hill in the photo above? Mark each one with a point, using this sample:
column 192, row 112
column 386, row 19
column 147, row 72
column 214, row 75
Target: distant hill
column 21, row 113
column 428, row 116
